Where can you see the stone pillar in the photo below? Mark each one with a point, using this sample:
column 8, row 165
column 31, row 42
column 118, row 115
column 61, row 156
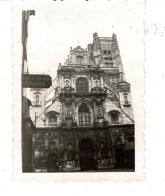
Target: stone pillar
column 60, row 78
column 63, row 112
column 62, row 82
column 92, row 84
column 101, row 81
column 104, row 111
column 95, row 112
column 71, row 82
column 73, row 113
column 120, row 77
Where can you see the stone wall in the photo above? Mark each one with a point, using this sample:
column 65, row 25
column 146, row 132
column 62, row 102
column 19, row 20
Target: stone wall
column 65, row 145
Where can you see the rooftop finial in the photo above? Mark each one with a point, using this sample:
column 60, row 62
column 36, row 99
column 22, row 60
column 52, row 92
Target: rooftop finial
column 95, row 35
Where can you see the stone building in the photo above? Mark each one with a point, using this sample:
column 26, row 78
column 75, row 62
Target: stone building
column 28, row 135
column 85, row 120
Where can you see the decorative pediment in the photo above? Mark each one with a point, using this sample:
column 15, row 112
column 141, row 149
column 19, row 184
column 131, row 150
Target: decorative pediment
column 123, row 83
column 114, row 112
column 52, row 113
column 78, row 49
column 38, row 93
column 123, row 86
column 87, row 101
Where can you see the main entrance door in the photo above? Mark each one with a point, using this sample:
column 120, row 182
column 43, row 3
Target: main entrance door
column 52, row 163
column 87, row 161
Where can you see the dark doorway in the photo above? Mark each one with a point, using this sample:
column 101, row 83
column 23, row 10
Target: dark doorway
column 119, row 153
column 130, row 153
column 87, row 161
column 52, row 163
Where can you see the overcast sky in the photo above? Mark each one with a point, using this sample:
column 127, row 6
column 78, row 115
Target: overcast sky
column 54, row 29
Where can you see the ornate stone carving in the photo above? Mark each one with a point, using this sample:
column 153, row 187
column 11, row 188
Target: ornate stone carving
column 96, row 83
column 67, row 83
column 116, row 133
column 99, row 110
column 88, row 101
column 68, row 111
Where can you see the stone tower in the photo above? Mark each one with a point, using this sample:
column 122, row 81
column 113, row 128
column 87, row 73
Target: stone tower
column 37, row 97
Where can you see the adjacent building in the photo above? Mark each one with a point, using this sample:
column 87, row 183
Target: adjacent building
column 28, row 130
column 28, row 136
column 84, row 121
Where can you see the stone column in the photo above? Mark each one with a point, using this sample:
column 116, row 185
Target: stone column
column 104, row 111
column 63, row 112
column 71, row 82
column 92, row 84
column 101, row 81
column 60, row 78
column 95, row 112
column 73, row 113
column 62, row 81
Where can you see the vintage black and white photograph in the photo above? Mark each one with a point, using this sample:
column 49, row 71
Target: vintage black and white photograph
column 78, row 70
column 82, row 100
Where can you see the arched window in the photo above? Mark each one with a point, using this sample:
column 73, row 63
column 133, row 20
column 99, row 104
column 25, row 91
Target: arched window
column 84, row 115
column 79, row 60
column 37, row 99
column 82, row 85
column 52, row 117
column 126, row 101
column 114, row 116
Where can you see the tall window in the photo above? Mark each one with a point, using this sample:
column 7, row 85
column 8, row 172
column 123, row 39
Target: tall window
column 79, row 60
column 82, row 85
column 37, row 99
column 84, row 115
column 68, row 111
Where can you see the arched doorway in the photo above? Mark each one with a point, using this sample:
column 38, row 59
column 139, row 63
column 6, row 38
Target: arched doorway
column 119, row 150
column 130, row 153
column 86, row 151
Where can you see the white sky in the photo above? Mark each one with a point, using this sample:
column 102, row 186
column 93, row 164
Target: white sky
column 54, row 29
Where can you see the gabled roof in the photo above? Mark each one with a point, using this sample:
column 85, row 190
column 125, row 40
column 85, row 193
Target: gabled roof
column 36, row 93
column 123, row 83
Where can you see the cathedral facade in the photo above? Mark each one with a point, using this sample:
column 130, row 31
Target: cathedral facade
column 84, row 121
